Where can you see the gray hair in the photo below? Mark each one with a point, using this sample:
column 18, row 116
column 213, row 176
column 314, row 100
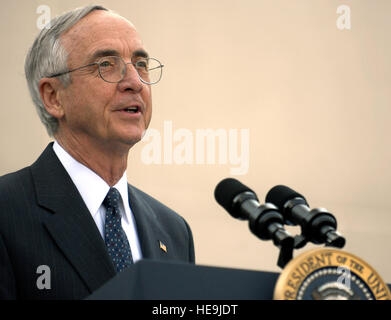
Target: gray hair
column 47, row 56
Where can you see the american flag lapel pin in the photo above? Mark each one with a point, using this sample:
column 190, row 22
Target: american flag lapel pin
column 162, row 246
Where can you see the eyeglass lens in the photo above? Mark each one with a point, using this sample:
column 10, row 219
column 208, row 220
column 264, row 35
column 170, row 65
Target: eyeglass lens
column 113, row 69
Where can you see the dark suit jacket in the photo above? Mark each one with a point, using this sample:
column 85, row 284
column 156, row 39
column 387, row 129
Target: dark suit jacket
column 44, row 221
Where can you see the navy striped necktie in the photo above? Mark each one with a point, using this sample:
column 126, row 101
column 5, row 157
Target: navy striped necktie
column 115, row 238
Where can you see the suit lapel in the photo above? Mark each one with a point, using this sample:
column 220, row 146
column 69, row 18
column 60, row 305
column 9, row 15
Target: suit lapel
column 155, row 242
column 71, row 225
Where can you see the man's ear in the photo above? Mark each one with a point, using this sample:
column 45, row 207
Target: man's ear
column 49, row 88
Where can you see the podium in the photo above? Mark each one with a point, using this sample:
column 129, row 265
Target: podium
column 156, row 280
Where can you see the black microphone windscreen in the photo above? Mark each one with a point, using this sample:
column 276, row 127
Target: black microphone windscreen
column 280, row 194
column 227, row 190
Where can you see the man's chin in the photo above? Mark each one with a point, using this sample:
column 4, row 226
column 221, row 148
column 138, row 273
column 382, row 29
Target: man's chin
column 128, row 138
column 132, row 139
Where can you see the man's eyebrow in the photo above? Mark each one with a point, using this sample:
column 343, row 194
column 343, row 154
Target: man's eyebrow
column 109, row 52
column 140, row 53
column 103, row 53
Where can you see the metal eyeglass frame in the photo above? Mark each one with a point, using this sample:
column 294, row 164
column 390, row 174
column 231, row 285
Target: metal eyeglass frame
column 123, row 73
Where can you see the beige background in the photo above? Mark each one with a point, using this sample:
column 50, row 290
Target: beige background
column 315, row 98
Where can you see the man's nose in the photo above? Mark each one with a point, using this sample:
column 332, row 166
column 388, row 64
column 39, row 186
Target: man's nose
column 131, row 80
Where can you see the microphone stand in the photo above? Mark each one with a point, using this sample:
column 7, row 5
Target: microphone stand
column 331, row 237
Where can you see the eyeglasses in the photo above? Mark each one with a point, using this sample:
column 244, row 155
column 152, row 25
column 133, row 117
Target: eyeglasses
column 113, row 69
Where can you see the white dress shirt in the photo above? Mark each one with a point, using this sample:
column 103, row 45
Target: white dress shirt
column 93, row 190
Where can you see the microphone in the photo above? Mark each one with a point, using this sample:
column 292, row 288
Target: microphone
column 317, row 225
column 242, row 203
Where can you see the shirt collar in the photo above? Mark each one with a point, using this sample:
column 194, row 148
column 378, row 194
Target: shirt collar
column 92, row 188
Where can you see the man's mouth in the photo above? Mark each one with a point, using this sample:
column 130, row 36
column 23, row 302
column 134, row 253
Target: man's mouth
column 131, row 109
column 136, row 109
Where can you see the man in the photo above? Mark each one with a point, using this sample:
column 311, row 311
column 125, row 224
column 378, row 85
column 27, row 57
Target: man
column 72, row 212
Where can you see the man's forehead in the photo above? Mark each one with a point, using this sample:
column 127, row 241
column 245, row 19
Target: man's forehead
column 99, row 20
column 100, row 27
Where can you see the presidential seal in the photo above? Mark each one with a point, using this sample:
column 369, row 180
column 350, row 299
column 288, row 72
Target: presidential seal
column 330, row 274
